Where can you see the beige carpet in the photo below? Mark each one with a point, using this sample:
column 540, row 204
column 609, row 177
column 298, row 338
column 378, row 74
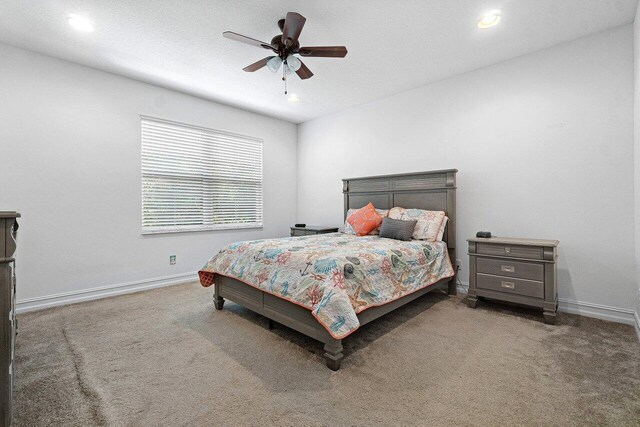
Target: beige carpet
column 166, row 357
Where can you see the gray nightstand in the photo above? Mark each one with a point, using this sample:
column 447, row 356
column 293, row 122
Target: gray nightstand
column 520, row 271
column 312, row 229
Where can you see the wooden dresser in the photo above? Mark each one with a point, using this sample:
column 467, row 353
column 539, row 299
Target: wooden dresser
column 8, row 326
column 521, row 271
column 312, row 229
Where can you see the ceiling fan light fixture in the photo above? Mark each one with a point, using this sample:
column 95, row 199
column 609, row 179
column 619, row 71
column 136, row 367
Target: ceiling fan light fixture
column 274, row 64
column 287, row 70
column 490, row 19
column 285, row 46
column 293, row 63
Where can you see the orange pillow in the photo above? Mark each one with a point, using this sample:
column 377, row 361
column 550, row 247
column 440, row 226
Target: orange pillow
column 364, row 220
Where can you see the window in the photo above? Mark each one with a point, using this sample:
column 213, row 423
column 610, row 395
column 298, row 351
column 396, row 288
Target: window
column 195, row 178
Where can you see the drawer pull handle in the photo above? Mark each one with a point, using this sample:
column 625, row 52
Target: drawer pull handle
column 508, row 285
column 508, row 268
column 507, row 250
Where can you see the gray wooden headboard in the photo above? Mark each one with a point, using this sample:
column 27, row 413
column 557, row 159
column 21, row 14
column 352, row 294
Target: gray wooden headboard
column 432, row 190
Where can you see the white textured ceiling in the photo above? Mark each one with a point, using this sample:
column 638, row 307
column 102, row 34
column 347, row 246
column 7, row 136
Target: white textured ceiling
column 394, row 45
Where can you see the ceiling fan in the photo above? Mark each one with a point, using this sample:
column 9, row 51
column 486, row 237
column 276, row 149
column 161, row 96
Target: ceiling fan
column 285, row 47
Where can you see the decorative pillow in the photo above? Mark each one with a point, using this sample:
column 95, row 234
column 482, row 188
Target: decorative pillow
column 429, row 222
column 364, row 220
column 398, row 229
column 442, row 228
column 347, row 229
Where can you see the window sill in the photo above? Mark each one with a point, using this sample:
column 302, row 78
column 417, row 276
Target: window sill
column 191, row 229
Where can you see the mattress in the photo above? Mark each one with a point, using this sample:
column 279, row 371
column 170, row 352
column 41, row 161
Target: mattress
column 335, row 276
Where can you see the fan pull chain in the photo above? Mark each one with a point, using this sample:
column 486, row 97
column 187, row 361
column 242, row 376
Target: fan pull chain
column 284, row 76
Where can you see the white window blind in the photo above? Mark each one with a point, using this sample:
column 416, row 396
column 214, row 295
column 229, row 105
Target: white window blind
column 195, row 178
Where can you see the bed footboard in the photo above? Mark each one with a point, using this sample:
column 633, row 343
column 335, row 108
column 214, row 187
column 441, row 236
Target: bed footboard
column 278, row 310
column 300, row 318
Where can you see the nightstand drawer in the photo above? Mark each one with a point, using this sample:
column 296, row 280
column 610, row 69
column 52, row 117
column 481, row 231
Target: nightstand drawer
column 505, row 267
column 510, row 285
column 516, row 251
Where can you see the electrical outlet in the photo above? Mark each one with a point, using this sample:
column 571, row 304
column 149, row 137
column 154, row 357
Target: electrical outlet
column 172, row 259
column 459, row 264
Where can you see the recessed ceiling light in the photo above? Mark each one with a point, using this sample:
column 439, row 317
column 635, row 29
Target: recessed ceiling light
column 80, row 23
column 490, row 19
column 293, row 98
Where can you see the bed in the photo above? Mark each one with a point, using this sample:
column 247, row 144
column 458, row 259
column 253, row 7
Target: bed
column 326, row 286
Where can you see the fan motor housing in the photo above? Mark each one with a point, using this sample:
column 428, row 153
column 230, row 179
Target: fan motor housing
column 282, row 50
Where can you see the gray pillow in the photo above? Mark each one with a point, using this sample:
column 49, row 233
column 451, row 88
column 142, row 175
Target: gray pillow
column 398, row 229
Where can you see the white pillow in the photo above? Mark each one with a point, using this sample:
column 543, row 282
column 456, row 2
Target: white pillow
column 429, row 222
column 442, row 228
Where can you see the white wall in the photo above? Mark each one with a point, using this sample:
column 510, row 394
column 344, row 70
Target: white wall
column 70, row 144
column 544, row 144
column 636, row 156
column 544, row 148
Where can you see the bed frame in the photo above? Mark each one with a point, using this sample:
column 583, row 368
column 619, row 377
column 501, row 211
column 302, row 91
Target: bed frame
column 434, row 190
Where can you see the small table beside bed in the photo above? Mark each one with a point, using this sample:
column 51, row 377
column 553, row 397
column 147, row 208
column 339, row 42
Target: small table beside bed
column 327, row 285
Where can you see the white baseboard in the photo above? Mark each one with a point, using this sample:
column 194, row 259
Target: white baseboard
column 462, row 287
column 604, row 312
column 636, row 324
column 38, row 303
column 30, row 304
column 613, row 314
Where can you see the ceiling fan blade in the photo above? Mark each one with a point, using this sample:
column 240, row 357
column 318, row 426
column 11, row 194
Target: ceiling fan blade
column 257, row 65
column 244, row 39
column 324, row 51
column 293, row 24
column 303, row 72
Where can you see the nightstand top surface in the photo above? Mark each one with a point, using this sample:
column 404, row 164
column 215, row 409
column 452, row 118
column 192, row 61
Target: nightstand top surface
column 316, row 228
column 515, row 241
column 9, row 214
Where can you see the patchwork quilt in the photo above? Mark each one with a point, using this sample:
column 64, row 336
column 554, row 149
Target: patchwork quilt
column 334, row 275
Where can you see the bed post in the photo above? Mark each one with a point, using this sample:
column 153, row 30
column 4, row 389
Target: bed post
column 333, row 353
column 451, row 228
column 452, row 286
column 218, row 301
